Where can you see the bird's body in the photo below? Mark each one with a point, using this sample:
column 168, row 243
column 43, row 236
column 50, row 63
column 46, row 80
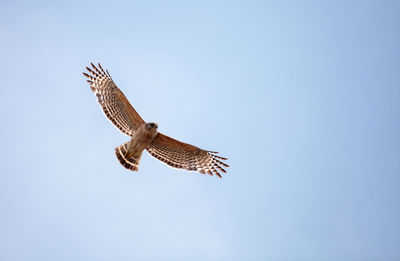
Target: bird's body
column 145, row 136
column 142, row 138
column 129, row 154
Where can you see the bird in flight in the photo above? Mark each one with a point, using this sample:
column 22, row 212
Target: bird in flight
column 144, row 135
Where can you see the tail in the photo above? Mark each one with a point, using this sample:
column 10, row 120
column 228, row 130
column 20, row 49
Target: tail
column 132, row 162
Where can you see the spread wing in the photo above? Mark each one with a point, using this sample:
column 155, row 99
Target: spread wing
column 185, row 156
column 113, row 102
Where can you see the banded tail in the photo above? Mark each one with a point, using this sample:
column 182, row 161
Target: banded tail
column 131, row 163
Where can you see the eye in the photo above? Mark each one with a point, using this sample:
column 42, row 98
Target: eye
column 152, row 125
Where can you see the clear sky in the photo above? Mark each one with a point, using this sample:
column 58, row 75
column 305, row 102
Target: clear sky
column 303, row 97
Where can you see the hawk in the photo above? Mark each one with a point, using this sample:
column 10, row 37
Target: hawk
column 144, row 135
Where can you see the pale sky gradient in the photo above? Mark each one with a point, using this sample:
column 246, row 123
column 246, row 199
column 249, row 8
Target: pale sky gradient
column 303, row 97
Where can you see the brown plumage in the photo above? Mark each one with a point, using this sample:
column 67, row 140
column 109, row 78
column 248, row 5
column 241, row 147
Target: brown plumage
column 144, row 135
column 131, row 162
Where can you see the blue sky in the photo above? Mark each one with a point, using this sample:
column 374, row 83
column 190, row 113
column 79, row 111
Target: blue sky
column 301, row 96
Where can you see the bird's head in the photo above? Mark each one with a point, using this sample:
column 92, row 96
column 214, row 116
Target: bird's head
column 151, row 126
